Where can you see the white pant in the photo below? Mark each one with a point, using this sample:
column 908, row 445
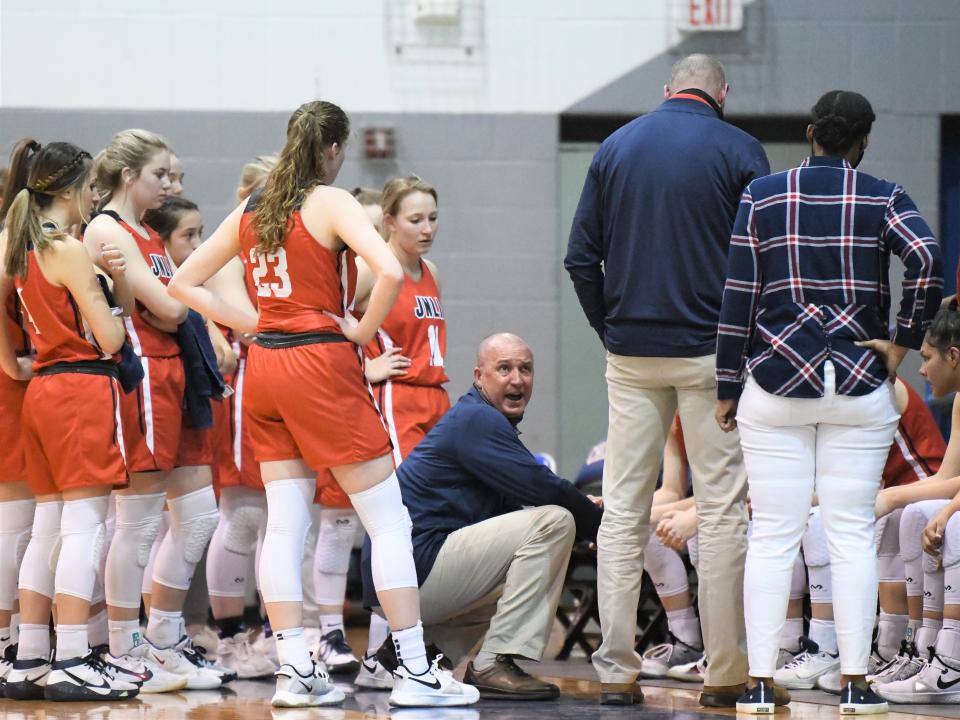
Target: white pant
column 835, row 446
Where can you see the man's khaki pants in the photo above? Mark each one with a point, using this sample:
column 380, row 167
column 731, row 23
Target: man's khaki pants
column 501, row 577
column 644, row 393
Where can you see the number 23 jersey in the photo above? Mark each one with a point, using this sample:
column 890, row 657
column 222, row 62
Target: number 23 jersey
column 298, row 282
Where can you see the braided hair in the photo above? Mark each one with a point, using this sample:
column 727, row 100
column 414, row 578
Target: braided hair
column 840, row 119
column 38, row 174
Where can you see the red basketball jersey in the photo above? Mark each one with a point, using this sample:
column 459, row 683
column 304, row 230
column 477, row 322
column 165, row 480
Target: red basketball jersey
column 416, row 325
column 918, row 445
column 148, row 341
column 53, row 320
column 298, row 282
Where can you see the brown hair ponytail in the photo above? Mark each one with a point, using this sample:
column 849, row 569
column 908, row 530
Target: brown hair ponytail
column 37, row 175
column 313, row 127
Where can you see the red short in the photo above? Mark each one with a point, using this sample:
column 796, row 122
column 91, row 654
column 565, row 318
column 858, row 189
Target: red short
column 329, row 493
column 238, row 467
column 311, row 402
column 225, row 472
column 152, row 416
column 411, row 411
column 72, row 433
column 196, row 447
column 13, row 464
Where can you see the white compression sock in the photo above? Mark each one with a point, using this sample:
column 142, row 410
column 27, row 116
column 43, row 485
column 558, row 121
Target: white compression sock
column 411, row 651
column 824, row 634
column 891, row 630
column 329, row 623
column 71, row 641
column 34, row 642
column 791, row 634
column 164, row 628
column 124, row 636
column 685, row 626
column 292, row 647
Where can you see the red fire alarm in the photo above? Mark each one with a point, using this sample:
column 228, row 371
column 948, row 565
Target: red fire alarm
column 378, row 142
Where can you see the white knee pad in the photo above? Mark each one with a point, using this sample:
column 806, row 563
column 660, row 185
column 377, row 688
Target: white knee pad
column 798, row 581
column 387, row 522
column 913, row 520
column 16, row 519
column 951, row 561
column 137, row 523
column 889, row 563
column 665, row 568
column 35, row 571
column 147, row 586
column 288, row 522
column 193, row 519
column 817, row 559
column 338, row 531
column 331, row 558
column 82, row 534
column 242, row 514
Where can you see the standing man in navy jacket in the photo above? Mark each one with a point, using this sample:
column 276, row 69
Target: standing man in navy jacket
column 647, row 254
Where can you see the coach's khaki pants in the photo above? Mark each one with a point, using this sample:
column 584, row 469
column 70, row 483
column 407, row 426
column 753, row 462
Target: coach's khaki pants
column 644, row 394
column 501, row 577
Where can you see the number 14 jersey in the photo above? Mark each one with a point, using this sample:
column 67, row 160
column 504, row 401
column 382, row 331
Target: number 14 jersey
column 416, row 324
column 298, row 282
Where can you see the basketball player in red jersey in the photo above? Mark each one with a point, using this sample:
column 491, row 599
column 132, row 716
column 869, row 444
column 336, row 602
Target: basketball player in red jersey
column 308, row 405
column 73, row 443
column 133, row 173
column 406, row 358
column 16, row 501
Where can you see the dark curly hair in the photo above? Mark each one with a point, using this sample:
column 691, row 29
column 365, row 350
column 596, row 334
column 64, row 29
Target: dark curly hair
column 840, row 119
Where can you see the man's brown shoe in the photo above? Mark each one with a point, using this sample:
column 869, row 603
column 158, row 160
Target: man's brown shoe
column 726, row 696
column 620, row 694
column 506, row 680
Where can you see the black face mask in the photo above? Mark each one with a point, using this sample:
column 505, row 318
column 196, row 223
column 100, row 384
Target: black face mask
column 863, row 149
column 706, row 97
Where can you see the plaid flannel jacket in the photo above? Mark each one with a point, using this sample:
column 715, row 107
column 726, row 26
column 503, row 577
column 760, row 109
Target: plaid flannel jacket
column 807, row 278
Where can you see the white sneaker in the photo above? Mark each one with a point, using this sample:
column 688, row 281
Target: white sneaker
column 336, row 654
column 174, row 661
column 693, row 672
column 830, row 682
column 905, row 665
column 658, row 659
column 198, row 657
column 785, row 656
column 308, row 686
column 138, row 666
column 373, row 675
column 434, row 688
column 86, row 678
column 802, row 672
column 206, row 639
column 7, row 656
column 267, row 646
column 26, row 679
column 936, row 683
column 236, row 654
